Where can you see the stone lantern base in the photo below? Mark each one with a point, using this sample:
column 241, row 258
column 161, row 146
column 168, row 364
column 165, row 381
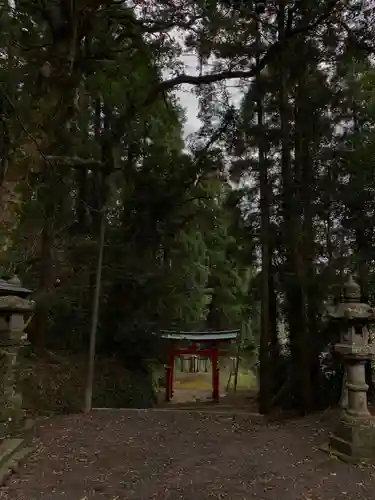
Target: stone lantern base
column 354, row 439
column 12, row 341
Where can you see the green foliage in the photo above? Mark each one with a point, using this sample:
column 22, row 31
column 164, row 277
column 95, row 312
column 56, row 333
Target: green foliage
column 182, row 244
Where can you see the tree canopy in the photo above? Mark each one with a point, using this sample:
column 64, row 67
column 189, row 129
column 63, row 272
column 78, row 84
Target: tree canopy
column 252, row 223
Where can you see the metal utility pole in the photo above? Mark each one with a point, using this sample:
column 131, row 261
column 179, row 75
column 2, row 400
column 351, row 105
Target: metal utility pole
column 95, row 313
column 76, row 163
column 238, row 358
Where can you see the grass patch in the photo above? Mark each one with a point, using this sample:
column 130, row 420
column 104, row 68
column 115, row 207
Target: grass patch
column 203, row 381
column 247, row 380
column 200, row 384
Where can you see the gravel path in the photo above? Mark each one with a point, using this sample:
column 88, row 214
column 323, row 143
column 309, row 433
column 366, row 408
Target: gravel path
column 156, row 455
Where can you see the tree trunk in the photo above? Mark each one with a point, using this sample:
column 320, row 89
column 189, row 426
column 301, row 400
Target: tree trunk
column 362, row 248
column 96, row 185
column 305, row 123
column 275, row 349
column 54, row 101
column 295, row 305
column 265, row 369
column 39, row 326
column 82, row 175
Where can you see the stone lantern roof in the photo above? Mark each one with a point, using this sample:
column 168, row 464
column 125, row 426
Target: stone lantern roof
column 351, row 308
column 13, row 287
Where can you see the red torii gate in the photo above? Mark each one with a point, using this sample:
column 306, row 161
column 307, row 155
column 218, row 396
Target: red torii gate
column 201, row 344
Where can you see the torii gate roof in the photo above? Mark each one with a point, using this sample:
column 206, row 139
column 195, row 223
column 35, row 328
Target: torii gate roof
column 209, row 335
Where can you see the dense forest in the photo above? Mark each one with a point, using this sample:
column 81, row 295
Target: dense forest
column 249, row 223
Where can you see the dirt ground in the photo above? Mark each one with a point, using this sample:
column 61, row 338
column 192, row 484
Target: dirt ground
column 170, row 455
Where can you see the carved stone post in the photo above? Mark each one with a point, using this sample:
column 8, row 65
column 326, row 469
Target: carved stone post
column 344, row 400
column 13, row 307
column 354, row 437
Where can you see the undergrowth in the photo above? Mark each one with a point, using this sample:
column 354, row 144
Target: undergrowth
column 55, row 382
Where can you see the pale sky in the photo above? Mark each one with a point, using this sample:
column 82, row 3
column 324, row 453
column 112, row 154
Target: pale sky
column 188, row 99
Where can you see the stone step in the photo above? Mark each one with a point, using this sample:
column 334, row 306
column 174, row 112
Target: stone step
column 8, row 447
column 254, row 416
column 12, row 453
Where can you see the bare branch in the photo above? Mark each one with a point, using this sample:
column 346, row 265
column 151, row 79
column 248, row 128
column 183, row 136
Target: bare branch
column 74, row 161
column 271, row 54
column 148, row 26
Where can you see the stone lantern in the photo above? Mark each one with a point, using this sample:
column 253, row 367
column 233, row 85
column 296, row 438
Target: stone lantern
column 354, row 437
column 13, row 307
